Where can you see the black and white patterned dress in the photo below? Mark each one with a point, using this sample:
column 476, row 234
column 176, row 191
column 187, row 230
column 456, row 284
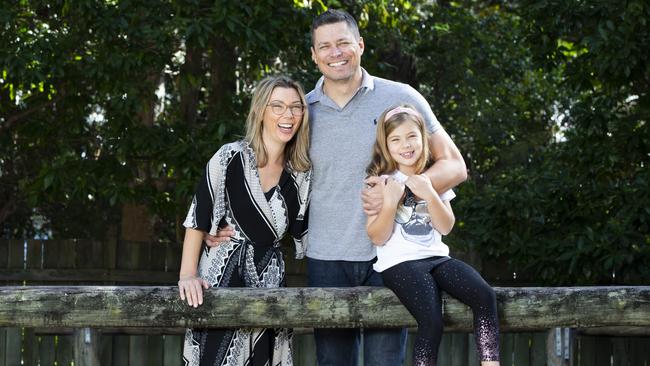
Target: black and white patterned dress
column 230, row 193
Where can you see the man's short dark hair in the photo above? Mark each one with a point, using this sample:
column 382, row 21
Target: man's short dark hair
column 332, row 16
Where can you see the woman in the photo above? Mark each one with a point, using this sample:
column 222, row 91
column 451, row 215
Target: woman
column 259, row 187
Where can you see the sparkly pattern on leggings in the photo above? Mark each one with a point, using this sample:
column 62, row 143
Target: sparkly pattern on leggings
column 418, row 284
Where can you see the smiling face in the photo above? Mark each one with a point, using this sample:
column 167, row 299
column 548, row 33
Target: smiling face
column 337, row 51
column 405, row 145
column 279, row 128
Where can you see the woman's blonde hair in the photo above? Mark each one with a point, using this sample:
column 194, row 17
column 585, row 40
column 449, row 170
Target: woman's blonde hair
column 382, row 162
column 296, row 152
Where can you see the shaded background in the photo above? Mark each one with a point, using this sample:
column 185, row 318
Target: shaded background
column 109, row 111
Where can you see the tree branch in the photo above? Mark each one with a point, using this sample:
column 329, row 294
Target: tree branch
column 15, row 118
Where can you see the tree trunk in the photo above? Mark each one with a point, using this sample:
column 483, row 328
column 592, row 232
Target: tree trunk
column 223, row 60
column 189, row 82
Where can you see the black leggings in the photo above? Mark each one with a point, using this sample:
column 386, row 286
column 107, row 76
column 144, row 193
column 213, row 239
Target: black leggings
column 418, row 283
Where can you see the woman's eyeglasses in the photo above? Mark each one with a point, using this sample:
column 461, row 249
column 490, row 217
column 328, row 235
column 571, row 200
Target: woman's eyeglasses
column 279, row 108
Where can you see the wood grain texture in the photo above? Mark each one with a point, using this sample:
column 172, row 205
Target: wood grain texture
column 520, row 309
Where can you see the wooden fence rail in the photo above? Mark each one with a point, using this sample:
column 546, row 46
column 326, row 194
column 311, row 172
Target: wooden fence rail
column 133, row 326
column 520, row 309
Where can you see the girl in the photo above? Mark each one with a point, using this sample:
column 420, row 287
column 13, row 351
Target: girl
column 259, row 187
column 411, row 257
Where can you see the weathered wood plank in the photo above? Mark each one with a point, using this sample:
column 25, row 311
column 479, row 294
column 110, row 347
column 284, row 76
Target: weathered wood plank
column 173, row 349
column 46, row 350
column 459, row 349
column 521, row 349
column 131, row 255
column 64, row 255
column 620, row 352
column 603, row 351
column 586, row 350
column 65, row 350
column 137, row 350
column 89, row 254
column 3, row 344
column 304, row 350
column 472, row 353
column 134, row 255
column 88, row 275
column 109, row 306
column 33, row 260
column 67, row 276
column 105, row 350
column 86, row 347
column 154, row 351
column 410, row 343
column 34, row 255
column 58, row 255
column 173, row 254
column 13, row 339
column 444, row 351
column 157, row 258
column 616, row 331
column 16, row 254
column 4, row 253
column 13, row 336
column 639, row 354
column 538, row 349
column 120, row 350
column 29, row 347
column 507, row 348
column 111, row 331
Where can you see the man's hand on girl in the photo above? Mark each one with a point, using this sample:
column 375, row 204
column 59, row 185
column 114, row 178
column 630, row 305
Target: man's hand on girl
column 223, row 235
column 373, row 196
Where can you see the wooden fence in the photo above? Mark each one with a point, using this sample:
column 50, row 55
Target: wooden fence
column 88, row 262
column 44, row 322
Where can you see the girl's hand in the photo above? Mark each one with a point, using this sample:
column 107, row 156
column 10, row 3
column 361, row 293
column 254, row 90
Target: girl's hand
column 393, row 192
column 421, row 186
column 191, row 287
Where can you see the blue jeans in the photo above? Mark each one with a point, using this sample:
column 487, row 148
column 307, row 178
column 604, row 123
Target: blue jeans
column 340, row 347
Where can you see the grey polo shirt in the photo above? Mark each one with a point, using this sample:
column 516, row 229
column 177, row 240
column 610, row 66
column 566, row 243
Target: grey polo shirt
column 341, row 147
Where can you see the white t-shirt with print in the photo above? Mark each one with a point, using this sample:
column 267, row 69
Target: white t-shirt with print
column 413, row 235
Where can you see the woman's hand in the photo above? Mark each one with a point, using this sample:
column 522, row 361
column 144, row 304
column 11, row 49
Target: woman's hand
column 191, row 288
column 421, row 186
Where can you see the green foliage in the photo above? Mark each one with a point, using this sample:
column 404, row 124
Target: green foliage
column 82, row 130
column 578, row 210
column 104, row 103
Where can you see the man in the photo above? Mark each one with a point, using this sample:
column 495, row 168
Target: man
column 344, row 107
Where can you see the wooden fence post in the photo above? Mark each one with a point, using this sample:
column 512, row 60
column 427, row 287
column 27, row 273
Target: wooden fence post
column 86, row 347
column 560, row 344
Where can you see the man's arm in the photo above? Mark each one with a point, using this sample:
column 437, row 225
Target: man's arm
column 449, row 169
